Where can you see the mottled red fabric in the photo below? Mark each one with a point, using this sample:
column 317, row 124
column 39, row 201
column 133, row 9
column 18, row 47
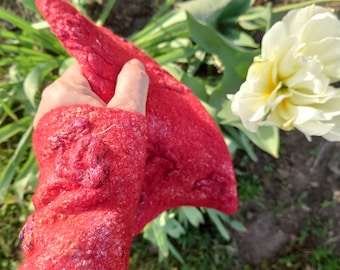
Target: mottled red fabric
column 104, row 181
column 92, row 167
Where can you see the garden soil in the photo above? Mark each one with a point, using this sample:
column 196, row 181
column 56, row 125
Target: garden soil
column 300, row 206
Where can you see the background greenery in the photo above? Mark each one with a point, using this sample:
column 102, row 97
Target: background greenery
column 209, row 48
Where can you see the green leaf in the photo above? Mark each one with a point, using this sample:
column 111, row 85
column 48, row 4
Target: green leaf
column 232, row 145
column 238, row 226
column 197, row 86
column 8, row 112
column 15, row 20
column 106, row 12
column 158, row 230
column 162, row 11
column 30, row 4
column 266, row 137
column 172, row 25
column 161, row 34
column 256, row 18
column 174, row 55
column 193, row 214
column 206, row 12
column 28, row 176
column 235, row 59
column 242, row 141
column 175, row 252
column 173, row 227
column 232, row 12
column 43, row 39
column 27, row 51
column 155, row 232
column 15, row 37
column 14, row 128
column 241, row 38
column 222, row 16
column 213, row 215
column 11, row 168
column 34, row 79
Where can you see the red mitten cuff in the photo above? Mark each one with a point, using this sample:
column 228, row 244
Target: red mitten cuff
column 92, row 166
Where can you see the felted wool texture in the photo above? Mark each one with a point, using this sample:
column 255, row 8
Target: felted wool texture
column 92, row 167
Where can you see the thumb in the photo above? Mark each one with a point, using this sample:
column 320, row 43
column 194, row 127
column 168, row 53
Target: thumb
column 132, row 88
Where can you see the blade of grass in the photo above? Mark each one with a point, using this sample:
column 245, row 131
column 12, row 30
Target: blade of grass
column 7, row 175
column 15, row 20
column 163, row 9
column 12, row 129
column 28, row 175
column 174, row 55
column 108, row 7
column 43, row 38
column 35, row 77
column 15, row 37
column 8, row 112
column 21, row 61
column 177, row 30
column 213, row 215
column 174, row 16
column 6, row 48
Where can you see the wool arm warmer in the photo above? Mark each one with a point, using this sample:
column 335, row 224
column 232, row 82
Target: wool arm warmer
column 92, row 166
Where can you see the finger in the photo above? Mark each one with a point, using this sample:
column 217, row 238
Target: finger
column 132, row 88
column 71, row 88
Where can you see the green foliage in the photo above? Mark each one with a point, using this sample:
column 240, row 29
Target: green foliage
column 157, row 233
column 19, row 89
column 202, row 248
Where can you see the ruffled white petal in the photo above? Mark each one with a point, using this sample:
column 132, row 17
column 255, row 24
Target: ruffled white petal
column 288, row 85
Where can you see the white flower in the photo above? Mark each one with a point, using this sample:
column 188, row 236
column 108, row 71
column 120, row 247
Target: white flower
column 288, row 85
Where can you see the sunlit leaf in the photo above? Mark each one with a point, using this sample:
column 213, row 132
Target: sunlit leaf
column 34, row 78
column 11, row 129
column 236, row 60
column 155, row 232
column 213, row 214
column 30, row 4
column 193, row 215
column 173, row 227
column 7, row 175
column 28, row 175
column 266, row 138
column 238, row 226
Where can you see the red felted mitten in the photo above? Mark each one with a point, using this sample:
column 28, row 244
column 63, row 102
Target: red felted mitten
column 188, row 162
column 83, row 213
column 92, row 166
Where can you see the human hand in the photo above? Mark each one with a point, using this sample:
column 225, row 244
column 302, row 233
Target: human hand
column 92, row 167
column 73, row 88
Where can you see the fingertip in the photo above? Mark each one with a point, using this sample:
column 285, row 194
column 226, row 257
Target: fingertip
column 136, row 62
column 132, row 88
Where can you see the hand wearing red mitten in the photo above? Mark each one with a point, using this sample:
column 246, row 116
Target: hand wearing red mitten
column 106, row 173
column 92, row 164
